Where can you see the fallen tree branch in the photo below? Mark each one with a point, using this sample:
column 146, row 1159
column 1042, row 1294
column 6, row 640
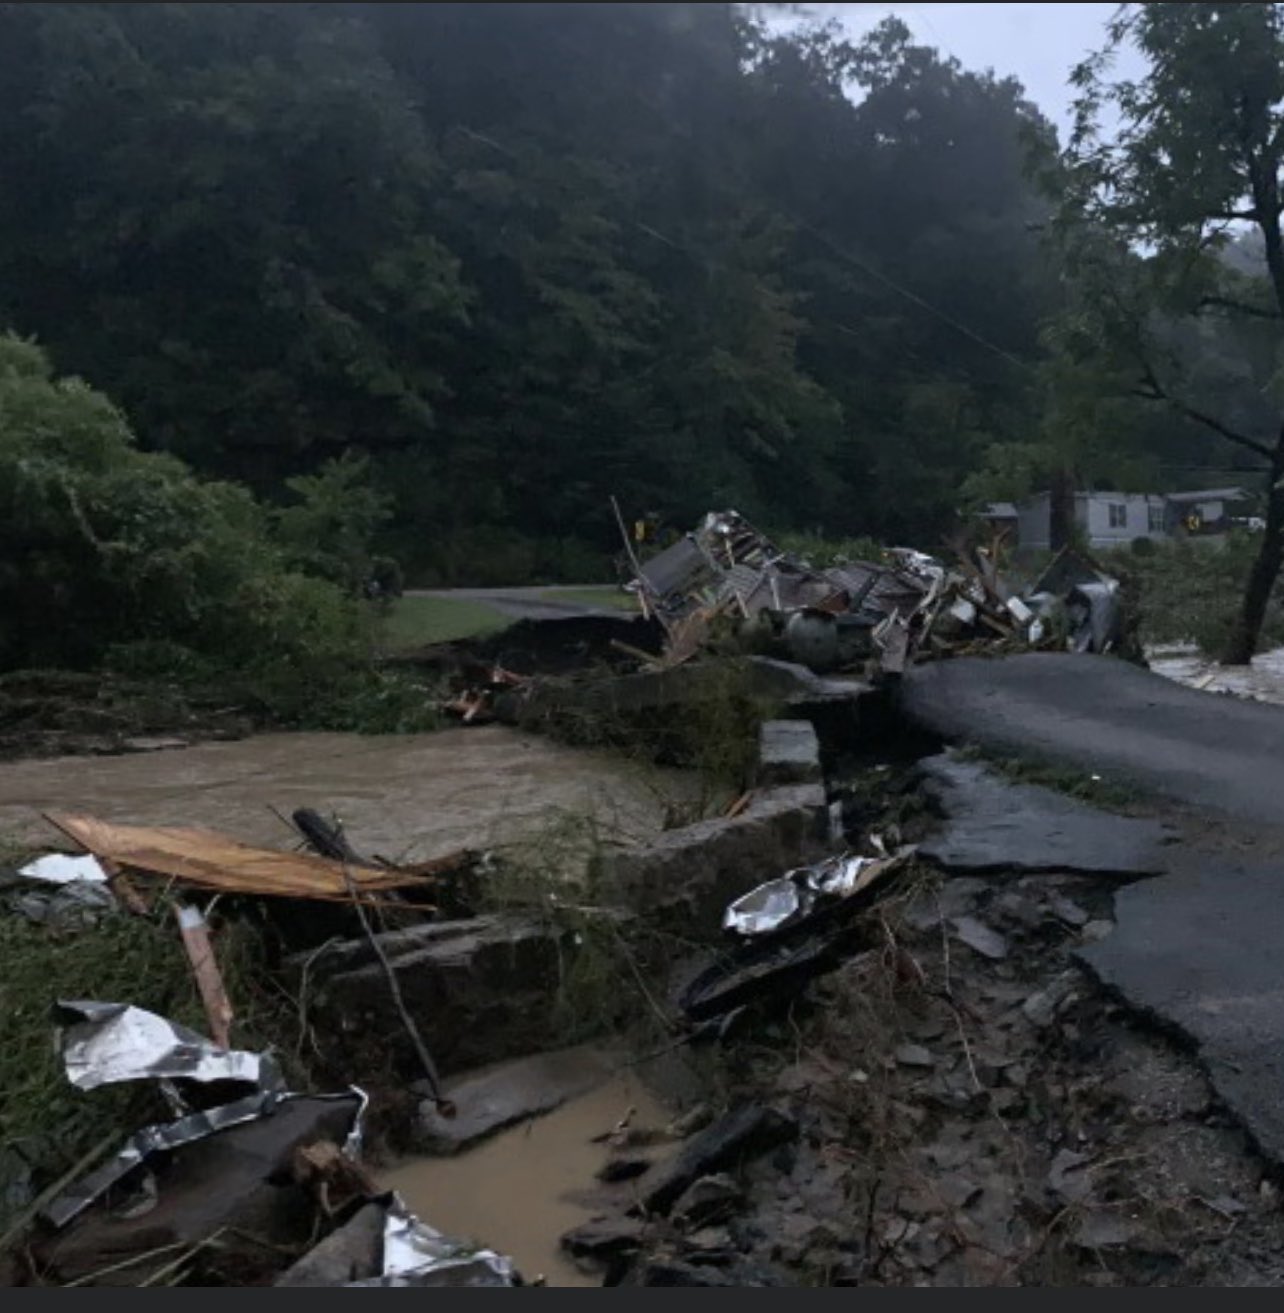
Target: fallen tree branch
column 1240, row 307
column 443, row 1104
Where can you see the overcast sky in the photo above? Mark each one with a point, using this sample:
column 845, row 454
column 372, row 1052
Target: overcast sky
column 1036, row 43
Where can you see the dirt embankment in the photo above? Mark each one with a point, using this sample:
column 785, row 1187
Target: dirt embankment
column 62, row 713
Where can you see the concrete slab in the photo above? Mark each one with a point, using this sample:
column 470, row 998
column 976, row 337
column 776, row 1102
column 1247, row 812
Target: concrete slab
column 994, row 824
column 788, row 752
column 489, row 1100
column 480, row 991
column 687, row 877
column 352, row 1252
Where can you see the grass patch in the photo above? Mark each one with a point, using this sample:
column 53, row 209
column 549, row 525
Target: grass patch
column 604, row 598
column 1191, row 591
column 1075, row 781
column 611, row 979
column 420, row 621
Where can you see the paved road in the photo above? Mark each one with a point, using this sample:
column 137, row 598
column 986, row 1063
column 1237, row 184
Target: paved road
column 523, row 603
column 1199, row 946
column 1204, row 750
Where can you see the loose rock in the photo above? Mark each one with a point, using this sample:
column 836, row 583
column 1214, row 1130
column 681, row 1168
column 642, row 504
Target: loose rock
column 742, row 1134
column 709, row 1199
column 980, row 938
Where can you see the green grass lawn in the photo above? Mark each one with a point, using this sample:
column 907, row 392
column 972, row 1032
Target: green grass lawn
column 417, row 621
column 606, row 598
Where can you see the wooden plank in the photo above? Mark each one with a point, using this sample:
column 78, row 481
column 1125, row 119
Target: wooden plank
column 209, row 860
column 209, row 979
column 121, row 885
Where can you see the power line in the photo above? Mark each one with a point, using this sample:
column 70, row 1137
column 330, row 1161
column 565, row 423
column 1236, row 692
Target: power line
column 863, row 265
column 945, row 318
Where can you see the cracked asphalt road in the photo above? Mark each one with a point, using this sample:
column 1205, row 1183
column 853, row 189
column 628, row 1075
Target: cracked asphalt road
column 1197, row 947
column 1202, row 750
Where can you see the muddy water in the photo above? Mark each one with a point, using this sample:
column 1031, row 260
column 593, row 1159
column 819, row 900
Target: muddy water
column 405, row 797
column 518, row 1192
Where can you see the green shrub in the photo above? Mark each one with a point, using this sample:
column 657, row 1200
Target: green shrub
column 111, row 553
column 327, row 532
column 1190, row 590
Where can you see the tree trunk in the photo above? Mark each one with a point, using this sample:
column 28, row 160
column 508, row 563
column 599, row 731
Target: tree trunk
column 1242, row 642
column 1061, row 509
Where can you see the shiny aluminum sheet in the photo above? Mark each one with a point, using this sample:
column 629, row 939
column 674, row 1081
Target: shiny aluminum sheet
column 414, row 1254
column 172, row 1135
column 112, row 1042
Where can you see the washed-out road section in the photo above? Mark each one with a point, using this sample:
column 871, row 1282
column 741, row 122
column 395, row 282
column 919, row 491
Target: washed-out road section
column 1198, row 946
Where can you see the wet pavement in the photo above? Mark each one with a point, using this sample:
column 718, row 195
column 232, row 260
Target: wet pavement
column 404, row 797
column 995, row 825
column 1196, row 948
column 1204, row 751
column 1199, row 950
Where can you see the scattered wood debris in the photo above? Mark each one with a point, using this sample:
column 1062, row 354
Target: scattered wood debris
column 206, row 859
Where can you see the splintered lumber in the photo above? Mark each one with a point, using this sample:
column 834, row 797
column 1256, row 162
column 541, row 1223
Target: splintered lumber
column 209, row 860
column 209, row 979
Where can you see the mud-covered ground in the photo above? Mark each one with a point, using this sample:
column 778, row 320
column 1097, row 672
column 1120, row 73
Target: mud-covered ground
column 975, row 1121
column 975, row 1108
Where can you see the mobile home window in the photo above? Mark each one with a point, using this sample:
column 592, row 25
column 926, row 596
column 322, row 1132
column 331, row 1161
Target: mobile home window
column 1118, row 514
column 1157, row 524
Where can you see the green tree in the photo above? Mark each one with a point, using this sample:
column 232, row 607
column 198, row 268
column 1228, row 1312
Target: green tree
column 330, row 528
column 224, row 223
column 905, row 326
column 1195, row 159
column 527, row 256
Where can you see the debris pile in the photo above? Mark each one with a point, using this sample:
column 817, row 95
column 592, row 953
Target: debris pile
column 907, row 607
column 172, row 1205
column 244, row 1170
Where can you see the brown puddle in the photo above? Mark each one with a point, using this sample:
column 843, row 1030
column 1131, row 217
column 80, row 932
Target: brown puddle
column 511, row 1192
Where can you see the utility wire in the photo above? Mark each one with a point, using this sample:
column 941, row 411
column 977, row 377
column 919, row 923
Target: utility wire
column 832, row 246
column 866, row 268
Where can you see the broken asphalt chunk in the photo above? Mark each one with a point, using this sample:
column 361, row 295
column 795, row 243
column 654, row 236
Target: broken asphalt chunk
column 708, row 1199
column 994, row 824
column 605, row 1238
column 980, row 938
column 1043, row 1006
